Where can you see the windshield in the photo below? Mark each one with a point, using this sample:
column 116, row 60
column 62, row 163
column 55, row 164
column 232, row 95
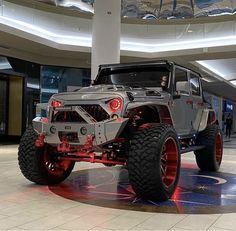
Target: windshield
column 140, row 77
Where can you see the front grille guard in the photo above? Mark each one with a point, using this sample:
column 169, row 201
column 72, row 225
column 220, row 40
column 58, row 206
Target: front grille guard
column 103, row 132
column 83, row 111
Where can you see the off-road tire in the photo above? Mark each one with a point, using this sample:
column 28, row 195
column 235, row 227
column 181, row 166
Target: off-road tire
column 209, row 158
column 32, row 164
column 145, row 162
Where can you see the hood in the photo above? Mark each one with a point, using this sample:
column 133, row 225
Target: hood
column 104, row 92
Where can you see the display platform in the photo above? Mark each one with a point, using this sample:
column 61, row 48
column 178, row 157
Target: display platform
column 197, row 192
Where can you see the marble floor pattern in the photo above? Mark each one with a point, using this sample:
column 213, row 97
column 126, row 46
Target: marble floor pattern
column 25, row 206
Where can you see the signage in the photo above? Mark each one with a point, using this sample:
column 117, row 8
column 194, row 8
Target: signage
column 228, row 106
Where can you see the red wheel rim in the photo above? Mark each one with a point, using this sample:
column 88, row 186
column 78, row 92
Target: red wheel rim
column 52, row 163
column 219, row 148
column 169, row 162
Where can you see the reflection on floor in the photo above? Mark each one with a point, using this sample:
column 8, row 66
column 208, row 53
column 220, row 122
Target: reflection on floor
column 197, row 192
column 202, row 201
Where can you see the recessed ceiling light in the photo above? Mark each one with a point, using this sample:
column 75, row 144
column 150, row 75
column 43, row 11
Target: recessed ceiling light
column 233, row 82
column 211, row 68
column 85, row 40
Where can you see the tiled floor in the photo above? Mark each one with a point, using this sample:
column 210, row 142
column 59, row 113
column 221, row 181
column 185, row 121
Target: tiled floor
column 25, row 206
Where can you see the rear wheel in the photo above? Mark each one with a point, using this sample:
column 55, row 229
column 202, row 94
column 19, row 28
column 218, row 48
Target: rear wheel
column 154, row 162
column 209, row 158
column 41, row 165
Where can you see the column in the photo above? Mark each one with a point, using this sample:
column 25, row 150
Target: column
column 234, row 118
column 106, row 33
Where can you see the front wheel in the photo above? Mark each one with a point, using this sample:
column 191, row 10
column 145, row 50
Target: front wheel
column 41, row 165
column 154, row 162
column 209, row 158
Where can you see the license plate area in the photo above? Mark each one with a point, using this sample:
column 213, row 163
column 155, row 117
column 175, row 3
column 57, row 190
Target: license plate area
column 71, row 137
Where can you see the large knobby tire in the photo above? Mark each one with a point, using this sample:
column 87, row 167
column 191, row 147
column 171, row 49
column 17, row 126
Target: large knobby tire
column 154, row 162
column 209, row 158
column 41, row 165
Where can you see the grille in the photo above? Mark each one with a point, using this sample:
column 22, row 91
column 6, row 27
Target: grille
column 67, row 116
column 96, row 111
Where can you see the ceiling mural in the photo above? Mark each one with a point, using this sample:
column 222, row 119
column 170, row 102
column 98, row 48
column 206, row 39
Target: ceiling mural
column 158, row 9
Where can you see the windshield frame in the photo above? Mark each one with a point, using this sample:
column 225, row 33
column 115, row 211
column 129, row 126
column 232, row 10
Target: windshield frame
column 127, row 69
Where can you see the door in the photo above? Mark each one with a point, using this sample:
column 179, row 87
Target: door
column 196, row 92
column 182, row 109
column 3, row 106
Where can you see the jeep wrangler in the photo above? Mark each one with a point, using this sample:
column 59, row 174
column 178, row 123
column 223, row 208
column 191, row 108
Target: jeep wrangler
column 140, row 115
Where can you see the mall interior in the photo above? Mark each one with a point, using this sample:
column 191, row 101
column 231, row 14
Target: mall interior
column 53, row 46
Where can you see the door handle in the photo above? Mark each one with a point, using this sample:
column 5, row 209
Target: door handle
column 189, row 102
column 200, row 104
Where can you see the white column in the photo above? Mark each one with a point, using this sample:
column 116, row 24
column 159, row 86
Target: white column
column 1, row 7
column 106, row 33
column 234, row 118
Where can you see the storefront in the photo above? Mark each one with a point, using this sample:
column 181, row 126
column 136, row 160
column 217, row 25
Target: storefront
column 23, row 84
column 228, row 111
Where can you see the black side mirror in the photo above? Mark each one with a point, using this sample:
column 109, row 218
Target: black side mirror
column 176, row 96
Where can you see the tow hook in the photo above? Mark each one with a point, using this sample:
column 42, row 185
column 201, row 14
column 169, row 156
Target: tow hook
column 64, row 146
column 39, row 142
column 89, row 142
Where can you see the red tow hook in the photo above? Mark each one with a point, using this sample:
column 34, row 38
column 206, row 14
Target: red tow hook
column 64, row 146
column 89, row 142
column 39, row 142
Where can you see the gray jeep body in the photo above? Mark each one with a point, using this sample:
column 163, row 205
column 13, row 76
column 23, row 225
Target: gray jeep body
column 179, row 103
column 140, row 115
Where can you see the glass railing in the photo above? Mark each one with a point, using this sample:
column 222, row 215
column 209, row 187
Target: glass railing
column 158, row 9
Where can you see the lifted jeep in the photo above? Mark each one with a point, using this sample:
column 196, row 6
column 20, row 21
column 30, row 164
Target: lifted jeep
column 143, row 115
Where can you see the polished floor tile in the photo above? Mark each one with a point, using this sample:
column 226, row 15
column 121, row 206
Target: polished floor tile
column 197, row 222
column 25, row 206
column 126, row 221
column 160, row 221
column 226, row 221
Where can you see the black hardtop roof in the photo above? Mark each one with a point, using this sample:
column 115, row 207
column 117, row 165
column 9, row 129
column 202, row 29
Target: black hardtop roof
column 133, row 64
column 144, row 63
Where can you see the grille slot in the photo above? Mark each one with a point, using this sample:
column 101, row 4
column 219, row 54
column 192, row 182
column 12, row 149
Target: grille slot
column 67, row 116
column 96, row 111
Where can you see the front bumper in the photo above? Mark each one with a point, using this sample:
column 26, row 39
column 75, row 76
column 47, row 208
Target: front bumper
column 103, row 132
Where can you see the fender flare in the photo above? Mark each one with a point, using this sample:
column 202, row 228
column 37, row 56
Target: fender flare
column 208, row 117
column 162, row 110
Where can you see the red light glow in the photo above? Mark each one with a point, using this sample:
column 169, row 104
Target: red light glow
column 115, row 104
column 44, row 120
column 56, row 104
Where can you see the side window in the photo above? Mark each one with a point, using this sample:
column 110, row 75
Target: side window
column 195, row 85
column 181, row 81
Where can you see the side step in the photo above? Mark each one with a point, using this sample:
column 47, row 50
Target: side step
column 191, row 149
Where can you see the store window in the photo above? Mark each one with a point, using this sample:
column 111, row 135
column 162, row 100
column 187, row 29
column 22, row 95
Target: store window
column 3, row 106
column 62, row 79
column 195, row 85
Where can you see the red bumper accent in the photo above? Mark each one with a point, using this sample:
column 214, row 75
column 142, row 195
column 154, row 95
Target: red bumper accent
column 87, row 154
column 92, row 158
column 39, row 142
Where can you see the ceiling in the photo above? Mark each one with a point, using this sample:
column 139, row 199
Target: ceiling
column 224, row 68
column 217, row 63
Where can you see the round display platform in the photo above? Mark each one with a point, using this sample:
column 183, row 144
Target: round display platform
column 197, row 192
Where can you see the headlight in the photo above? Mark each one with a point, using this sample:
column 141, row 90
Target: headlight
column 115, row 104
column 56, row 103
